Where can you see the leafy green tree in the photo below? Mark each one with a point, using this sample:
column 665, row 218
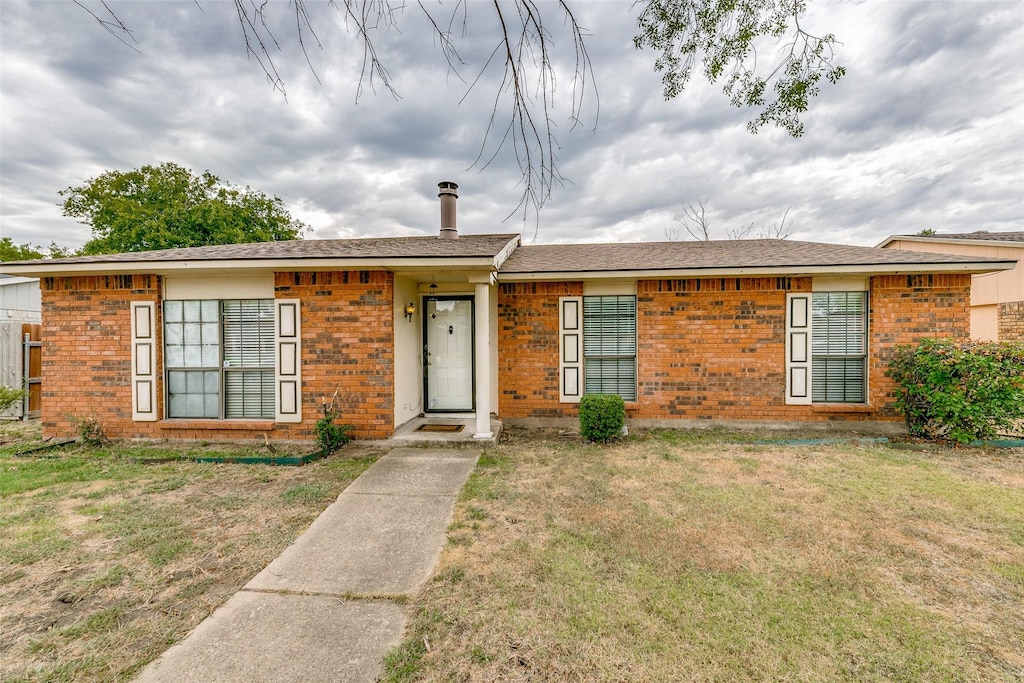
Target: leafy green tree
column 9, row 251
column 167, row 206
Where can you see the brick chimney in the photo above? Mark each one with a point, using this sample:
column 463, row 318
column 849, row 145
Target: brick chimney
column 447, row 191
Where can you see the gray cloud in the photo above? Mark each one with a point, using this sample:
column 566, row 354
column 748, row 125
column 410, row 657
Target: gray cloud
column 924, row 132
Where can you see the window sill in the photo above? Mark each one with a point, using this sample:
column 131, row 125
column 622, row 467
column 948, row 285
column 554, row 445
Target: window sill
column 841, row 408
column 221, row 425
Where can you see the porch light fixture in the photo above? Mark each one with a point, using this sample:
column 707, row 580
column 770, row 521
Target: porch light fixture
column 410, row 311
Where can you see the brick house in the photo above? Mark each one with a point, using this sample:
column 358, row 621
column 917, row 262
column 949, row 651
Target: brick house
column 997, row 299
column 248, row 341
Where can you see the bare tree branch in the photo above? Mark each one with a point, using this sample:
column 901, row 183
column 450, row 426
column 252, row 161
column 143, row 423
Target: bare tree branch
column 695, row 220
column 114, row 26
column 521, row 121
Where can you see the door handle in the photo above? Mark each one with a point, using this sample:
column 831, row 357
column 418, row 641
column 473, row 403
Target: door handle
column 451, row 329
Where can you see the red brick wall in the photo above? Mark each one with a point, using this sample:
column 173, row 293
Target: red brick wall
column 528, row 348
column 715, row 348
column 347, row 342
column 347, row 320
column 87, row 352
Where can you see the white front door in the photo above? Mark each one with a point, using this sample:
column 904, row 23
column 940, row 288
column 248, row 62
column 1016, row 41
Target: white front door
column 449, row 353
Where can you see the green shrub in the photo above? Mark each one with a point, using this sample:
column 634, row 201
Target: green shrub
column 330, row 436
column 960, row 390
column 602, row 416
column 9, row 396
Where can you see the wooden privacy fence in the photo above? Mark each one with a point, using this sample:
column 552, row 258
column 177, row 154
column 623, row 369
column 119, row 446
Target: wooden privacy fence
column 21, row 366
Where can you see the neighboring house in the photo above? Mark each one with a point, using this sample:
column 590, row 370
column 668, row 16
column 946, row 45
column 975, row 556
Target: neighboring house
column 20, row 311
column 247, row 341
column 997, row 299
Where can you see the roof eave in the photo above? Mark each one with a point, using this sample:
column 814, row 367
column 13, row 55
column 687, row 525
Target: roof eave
column 948, row 240
column 192, row 267
column 755, row 271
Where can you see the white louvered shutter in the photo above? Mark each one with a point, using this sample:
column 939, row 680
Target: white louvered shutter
column 798, row 349
column 143, row 320
column 288, row 372
column 570, row 349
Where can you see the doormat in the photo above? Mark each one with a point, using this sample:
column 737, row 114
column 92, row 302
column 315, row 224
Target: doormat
column 440, row 428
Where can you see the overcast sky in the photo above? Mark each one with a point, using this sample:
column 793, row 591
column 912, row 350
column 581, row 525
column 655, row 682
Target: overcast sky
column 925, row 131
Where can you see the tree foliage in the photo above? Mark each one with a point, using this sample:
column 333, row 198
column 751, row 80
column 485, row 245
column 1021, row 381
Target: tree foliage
column 167, row 206
column 9, row 251
column 723, row 35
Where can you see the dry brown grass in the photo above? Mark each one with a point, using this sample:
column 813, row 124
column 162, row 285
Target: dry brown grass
column 684, row 557
column 107, row 561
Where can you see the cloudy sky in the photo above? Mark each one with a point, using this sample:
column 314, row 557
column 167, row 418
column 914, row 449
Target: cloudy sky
column 925, row 131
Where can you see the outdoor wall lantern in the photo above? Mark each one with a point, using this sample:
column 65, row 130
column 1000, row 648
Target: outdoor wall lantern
column 410, row 311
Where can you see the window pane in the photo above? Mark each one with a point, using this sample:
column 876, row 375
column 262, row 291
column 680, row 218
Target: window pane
column 173, row 334
column 193, row 356
column 838, row 380
column 839, row 347
column 192, row 392
column 191, row 309
column 172, row 311
column 174, row 357
column 249, row 393
column 609, row 345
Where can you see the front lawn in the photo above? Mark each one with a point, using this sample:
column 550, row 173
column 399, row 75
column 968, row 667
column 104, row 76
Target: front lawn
column 109, row 556
column 677, row 556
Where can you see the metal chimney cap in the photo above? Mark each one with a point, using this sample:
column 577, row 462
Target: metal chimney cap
column 447, row 187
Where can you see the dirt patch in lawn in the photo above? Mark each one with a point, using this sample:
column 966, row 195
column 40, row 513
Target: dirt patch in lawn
column 108, row 561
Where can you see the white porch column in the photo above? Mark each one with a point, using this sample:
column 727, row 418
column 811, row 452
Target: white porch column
column 482, row 306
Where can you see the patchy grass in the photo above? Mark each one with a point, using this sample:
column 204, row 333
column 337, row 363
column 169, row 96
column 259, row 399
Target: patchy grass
column 684, row 556
column 108, row 560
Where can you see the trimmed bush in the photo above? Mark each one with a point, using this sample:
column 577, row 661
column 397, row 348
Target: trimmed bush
column 602, row 417
column 960, row 390
column 330, row 436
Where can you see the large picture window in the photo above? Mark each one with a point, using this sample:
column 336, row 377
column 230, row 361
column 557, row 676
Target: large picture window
column 219, row 358
column 609, row 345
column 838, row 347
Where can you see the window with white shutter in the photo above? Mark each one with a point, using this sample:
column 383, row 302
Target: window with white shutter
column 826, row 347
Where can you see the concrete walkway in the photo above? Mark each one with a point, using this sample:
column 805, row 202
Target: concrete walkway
column 324, row 610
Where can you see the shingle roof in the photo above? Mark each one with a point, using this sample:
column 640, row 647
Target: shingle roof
column 646, row 256
column 983, row 235
column 480, row 246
